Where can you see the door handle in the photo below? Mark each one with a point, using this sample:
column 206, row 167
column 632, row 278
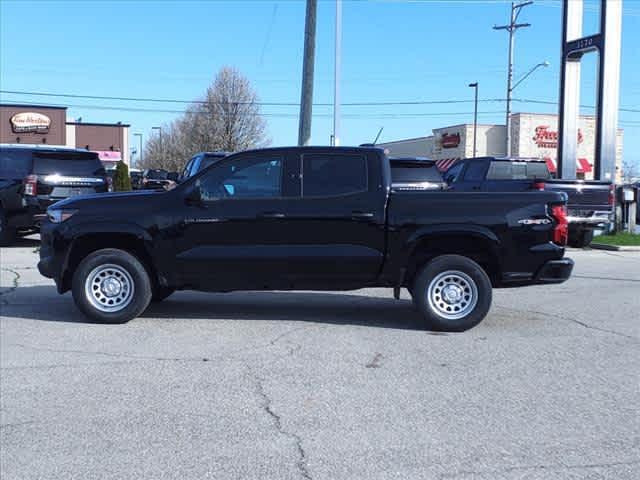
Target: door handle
column 357, row 215
column 271, row 215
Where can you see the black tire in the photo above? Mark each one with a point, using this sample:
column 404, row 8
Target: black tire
column 160, row 293
column 7, row 234
column 581, row 239
column 123, row 267
column 469, row 290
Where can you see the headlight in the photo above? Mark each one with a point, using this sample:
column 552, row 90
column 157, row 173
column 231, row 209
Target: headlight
column 59, row 216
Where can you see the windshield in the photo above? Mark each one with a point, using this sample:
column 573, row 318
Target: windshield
column 67, row 163
column 157, row 174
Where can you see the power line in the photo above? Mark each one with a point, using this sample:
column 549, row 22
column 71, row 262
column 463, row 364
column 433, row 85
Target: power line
column 280, row 104
column 265, row 104
column 275, row 115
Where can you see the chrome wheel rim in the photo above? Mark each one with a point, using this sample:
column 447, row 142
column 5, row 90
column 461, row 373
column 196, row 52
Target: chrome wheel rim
column 109, row 288
column 452, row 294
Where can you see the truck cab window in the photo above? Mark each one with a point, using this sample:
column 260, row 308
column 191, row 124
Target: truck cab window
column 325, row 175
column 244, row 178
column 453, row 173
column 475, row 171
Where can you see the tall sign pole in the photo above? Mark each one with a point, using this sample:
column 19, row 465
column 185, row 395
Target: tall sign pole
column 337, row 74
column 512, row 28
column 574, row 46
column 306, row 95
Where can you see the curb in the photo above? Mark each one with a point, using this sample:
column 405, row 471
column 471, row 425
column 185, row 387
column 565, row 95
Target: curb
column 615, row 248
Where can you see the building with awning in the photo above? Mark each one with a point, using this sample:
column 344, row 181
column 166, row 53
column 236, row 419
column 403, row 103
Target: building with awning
column 533, row 136
column 48, row 125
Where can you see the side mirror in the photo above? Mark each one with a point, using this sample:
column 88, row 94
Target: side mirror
column 194, row 197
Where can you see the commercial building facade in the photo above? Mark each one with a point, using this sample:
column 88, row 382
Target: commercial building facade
column 48, row 125
column 533, row 135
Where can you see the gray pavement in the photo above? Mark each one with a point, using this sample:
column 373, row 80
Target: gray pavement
column 322, row 385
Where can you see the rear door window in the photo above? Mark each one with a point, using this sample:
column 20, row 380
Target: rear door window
column 517, row 171
column 328, row 175
column 14, row 163
column 67, row 164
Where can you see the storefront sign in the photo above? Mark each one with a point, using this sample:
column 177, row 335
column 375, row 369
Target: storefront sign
column 30, row 122
column 545, row 138
column 450, row 140
column 109, row 155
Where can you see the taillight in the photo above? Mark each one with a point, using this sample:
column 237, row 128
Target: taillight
column 538, row 185
column 30, row 183
column 612, row 195
column 561, row 230
column 109, row 184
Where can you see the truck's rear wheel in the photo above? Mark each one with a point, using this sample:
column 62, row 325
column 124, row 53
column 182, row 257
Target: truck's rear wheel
column 453, row 293
column 111, row 286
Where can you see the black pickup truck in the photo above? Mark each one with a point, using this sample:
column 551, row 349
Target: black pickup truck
column 32, row 177
column 307, row 218
column 590, row 203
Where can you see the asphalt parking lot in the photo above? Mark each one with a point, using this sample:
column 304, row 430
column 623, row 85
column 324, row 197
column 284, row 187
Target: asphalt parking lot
column 323, row 385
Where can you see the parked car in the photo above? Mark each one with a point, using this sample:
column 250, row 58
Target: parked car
column 590, row 203
column 32, row 177
column 304, row 218
column 155, row 179
column 136, row 178
column 200, row 161
column 415, row 173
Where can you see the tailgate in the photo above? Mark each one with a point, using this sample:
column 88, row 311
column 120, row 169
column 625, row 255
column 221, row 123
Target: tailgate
column 583, row 195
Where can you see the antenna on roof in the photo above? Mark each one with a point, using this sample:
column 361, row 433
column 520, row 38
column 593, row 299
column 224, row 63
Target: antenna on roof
column 378, row 136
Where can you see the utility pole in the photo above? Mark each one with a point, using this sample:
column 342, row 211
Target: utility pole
column 161, row 146
column 140, row 158
column 306, row 96
column 475, row 116
column 336, row 75
column 512, row 28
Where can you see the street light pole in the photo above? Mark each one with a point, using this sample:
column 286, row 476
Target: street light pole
column 542, row 64
column 161, row 146
column 336, row 75
column 511, row 28
column 139, row 154
column 475, row 116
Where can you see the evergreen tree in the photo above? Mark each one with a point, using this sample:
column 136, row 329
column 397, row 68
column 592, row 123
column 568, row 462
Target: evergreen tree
column 121, row 179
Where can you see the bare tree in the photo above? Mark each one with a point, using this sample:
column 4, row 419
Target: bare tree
column 227, row 118
column 630, row 170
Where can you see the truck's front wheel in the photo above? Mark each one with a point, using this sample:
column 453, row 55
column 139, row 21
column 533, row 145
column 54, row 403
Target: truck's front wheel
column 111, row 286
column 453, row 293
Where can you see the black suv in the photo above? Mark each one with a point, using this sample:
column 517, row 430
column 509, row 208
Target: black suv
column 33, row 177
column 200, row 161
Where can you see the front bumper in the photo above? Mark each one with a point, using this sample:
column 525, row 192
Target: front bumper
column 554, row 271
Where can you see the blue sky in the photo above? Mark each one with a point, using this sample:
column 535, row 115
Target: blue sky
column 392, row 51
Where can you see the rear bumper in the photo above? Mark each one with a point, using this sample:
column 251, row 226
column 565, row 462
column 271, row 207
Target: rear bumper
column 554, row 271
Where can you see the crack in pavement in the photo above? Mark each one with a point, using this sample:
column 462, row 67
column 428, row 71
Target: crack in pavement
column 375, row 362
column 12, row 288
column 572, row 320
column 226, row 356
column 606, row 278
column 267, row 403
column 535, row 467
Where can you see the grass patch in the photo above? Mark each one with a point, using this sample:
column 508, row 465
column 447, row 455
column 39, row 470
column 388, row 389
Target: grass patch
column 622, row 239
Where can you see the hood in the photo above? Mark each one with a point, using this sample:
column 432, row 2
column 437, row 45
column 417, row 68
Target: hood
column 98, row 200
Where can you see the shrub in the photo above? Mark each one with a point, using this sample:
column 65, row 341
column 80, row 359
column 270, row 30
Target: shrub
column 121, row 179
